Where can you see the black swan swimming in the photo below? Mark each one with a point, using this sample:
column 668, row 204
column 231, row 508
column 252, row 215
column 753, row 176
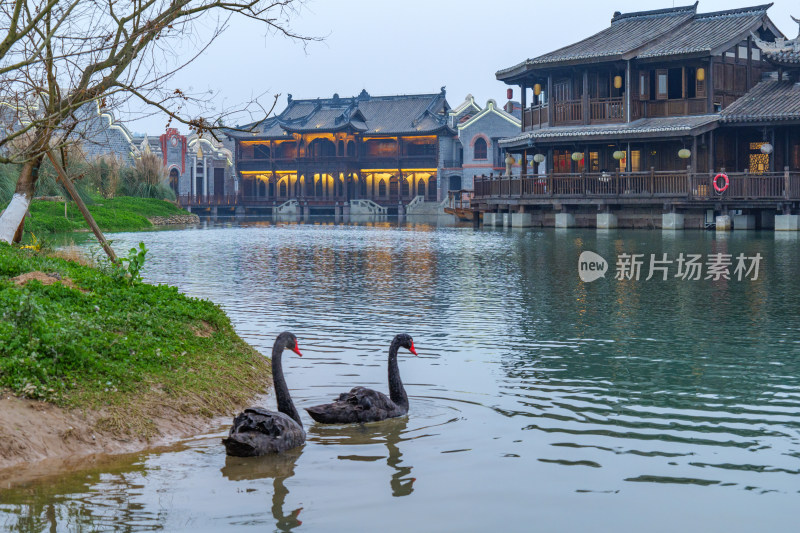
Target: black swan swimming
column 366, row 405
column 257, row 431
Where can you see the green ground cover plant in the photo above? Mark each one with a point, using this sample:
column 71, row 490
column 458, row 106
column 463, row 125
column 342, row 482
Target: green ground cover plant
column 90, row 337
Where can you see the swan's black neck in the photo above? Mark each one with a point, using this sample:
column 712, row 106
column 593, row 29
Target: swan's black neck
column 285, row 404
column 397, row 393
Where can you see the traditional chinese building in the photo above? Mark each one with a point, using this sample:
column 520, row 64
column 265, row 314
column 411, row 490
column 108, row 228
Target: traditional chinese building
column 478, row 151
column 645, row 114
column 379, row 152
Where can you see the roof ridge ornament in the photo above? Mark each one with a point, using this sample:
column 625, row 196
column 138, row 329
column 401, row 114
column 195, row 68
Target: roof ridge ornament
column 781, row 44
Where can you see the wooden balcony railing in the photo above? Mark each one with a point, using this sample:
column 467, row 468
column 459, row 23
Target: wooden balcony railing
column 535, row 117
column 668, row 184
column 668, row 108
column 606, row 110
column 568, row 112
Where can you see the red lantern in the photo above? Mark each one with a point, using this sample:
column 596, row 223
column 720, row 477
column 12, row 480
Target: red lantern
column 510, row 94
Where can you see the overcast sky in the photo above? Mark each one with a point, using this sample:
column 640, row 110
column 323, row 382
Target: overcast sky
column 406, row 47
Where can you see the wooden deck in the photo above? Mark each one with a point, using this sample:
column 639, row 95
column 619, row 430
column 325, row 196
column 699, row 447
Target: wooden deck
column 632, row 188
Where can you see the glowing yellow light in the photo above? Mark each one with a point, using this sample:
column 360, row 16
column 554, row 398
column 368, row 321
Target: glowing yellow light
column 537, row 89
column 701, row 74
column 617, row 82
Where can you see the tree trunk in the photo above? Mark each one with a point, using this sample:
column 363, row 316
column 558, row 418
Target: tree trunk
column 12, row 220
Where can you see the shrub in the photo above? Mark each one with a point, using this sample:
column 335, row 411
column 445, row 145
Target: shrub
column 147, row 178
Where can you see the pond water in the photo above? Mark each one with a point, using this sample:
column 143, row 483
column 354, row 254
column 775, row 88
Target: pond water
column 538, row 402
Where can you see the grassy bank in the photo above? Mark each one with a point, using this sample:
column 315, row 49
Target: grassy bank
column 95, row 341
column 123, row 213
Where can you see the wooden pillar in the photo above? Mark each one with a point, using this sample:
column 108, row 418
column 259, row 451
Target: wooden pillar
column 586, row 159
column 628, row 158
column 787, row 159
column 749, row 63
column 772, row 155
column 711, row 152
column 550, row 101
column 585, row 97
column 524, row 171
column 684, row 83
column 694, row 152
column 710, row 85
column 524, row 103
column 628, row 92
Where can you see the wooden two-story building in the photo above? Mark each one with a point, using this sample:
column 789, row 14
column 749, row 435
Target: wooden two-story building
column 320, row 155
column 637, row 120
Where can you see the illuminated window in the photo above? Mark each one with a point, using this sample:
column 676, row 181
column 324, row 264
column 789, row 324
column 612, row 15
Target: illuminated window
column 759, row 162
column 636, row 161
column 283, row 189
column 382, row 188
column 480, row 149
column 421, row 187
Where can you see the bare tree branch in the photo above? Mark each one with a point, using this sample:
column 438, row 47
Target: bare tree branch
column 60, row 55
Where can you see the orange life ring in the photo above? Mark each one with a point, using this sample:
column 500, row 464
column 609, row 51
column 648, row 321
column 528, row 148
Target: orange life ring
column 725, row 185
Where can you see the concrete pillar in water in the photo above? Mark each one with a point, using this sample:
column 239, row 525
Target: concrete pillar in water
column 787, row 222
column 724, row 223
column 346, row 209
column 506, row 219
column 521, row 220
column 337, row 210
column 672, row 221
column 565, row 220
column 606, row 221
column 744, row 222
column 491, row 219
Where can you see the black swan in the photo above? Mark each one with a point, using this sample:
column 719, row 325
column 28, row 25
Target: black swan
column 257, row 431
column 366, row 405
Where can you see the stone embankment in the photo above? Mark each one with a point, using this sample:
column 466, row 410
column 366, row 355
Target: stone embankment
column 174, row 219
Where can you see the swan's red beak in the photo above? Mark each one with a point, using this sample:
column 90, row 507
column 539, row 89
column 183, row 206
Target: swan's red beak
column 412, row 350
column 296, row 350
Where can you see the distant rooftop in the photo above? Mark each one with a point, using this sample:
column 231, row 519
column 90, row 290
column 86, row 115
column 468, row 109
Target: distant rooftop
column 367, row 114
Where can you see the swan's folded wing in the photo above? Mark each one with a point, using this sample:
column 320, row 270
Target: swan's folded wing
column 359, row 405
column 257, row 431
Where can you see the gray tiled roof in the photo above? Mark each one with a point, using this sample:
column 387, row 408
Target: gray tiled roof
column 788, row 57
column 707, row 32
column 664, row 127
column 770, row 100
column 650, row 34
column 378, row 115
column 627, row 33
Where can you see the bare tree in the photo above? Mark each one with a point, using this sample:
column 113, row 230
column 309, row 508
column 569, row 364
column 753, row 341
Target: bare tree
column 60, row 55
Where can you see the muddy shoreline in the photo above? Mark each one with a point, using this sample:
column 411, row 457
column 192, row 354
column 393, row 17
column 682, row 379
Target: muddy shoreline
column 41, row 440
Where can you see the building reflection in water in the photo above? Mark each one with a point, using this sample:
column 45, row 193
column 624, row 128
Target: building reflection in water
column 389, row 432
column 279, row 467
